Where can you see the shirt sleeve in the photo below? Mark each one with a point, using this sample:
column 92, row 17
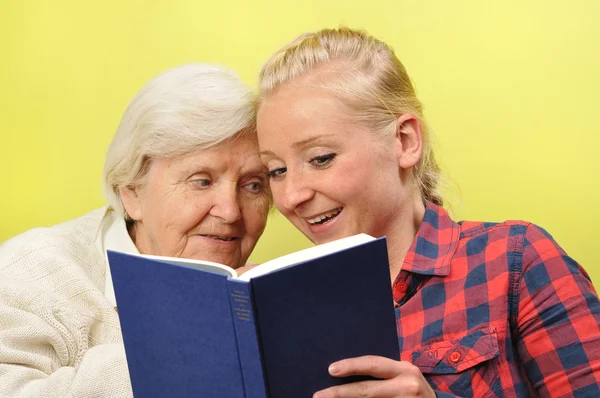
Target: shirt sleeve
column 441, row 394
column 46, row 349
column 558, row 321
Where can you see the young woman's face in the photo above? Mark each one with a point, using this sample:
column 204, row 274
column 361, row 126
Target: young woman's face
column 330, row 176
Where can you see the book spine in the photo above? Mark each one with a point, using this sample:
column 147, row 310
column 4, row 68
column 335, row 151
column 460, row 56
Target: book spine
column 248, row 338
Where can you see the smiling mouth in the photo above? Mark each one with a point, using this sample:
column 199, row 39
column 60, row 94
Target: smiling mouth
column 323, row 218
column 221, row 238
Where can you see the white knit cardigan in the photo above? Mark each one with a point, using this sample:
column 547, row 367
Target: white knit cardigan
column 59, row 335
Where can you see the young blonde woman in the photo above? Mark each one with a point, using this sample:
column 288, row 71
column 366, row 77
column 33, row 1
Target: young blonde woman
column 483, row 309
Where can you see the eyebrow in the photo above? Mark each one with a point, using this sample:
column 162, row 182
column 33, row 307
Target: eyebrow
column 302, row 144
column 201, row 167
column 257, row 170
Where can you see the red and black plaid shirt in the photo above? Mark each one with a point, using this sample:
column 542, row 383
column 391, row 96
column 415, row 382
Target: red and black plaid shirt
column 497, row 310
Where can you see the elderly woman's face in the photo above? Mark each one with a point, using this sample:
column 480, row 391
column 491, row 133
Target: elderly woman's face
column 208, row 204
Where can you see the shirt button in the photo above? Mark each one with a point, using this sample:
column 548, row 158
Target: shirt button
column 400, row 289
column 454, row 356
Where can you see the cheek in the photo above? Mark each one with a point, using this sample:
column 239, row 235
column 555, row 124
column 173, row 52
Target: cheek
column 189, row 214
column 255, row 218
column 278, row 195
column 158, row 215
column 278, row 189
column 349, row 181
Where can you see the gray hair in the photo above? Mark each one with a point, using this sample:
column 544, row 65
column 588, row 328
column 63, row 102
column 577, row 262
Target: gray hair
column 190, row 107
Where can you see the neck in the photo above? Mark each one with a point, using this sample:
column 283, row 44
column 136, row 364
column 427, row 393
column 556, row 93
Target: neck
column 135, row 238
column 401, row 234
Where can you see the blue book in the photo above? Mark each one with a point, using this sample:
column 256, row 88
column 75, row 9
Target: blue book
column 196, row 329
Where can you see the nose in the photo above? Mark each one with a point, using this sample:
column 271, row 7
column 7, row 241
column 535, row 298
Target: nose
column 226, row 205
column 295, row 190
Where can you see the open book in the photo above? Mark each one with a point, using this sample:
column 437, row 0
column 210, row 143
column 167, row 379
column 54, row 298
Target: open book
column 194, row 328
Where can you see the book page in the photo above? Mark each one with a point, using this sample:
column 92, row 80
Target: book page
column 197, row 264
column 306, row 254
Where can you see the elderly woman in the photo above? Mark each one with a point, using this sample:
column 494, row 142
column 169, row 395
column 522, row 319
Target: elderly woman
column 183, row 179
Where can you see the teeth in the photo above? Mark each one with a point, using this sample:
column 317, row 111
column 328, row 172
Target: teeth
column 324, row 216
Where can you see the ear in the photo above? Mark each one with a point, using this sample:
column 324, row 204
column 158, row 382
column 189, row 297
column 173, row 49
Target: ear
column 131, row 201
column 408, row 139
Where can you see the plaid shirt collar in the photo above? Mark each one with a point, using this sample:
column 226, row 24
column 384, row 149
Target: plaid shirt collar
column 434, row 244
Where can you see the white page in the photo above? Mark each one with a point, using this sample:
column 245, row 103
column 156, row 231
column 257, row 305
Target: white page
column 269, row 266
column 306, row 254
column 198, row 264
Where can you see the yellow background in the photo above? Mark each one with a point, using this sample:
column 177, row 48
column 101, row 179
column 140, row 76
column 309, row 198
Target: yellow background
column 511, row 89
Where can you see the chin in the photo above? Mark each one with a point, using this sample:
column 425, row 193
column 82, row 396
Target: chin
column 324, row 239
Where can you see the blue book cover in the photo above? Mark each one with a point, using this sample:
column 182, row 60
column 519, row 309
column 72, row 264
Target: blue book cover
column 196, row 329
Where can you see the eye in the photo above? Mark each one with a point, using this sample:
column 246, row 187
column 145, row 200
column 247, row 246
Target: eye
column 201, row 182
column 322, row 160
column 277, row 173
column 255, row 186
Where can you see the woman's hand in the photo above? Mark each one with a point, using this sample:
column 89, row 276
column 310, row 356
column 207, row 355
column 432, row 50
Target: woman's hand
column 398, row 379
column 245, row 268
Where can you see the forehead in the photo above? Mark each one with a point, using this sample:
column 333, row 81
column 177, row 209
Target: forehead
column 238, row 148
column 239, row 154
column 296, row 107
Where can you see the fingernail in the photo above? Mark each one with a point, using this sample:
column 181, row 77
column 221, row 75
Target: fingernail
column 334, row 369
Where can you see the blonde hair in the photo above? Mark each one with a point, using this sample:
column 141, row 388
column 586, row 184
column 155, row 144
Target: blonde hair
column 194, row 106
column 373, row 84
